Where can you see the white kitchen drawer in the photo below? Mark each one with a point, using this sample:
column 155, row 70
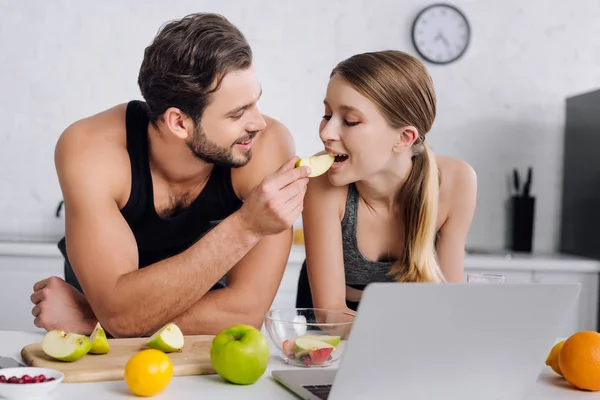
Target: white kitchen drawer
column 19, row 274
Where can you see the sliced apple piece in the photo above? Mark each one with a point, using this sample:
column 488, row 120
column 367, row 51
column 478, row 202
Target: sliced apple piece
column 332, row 340
column 167, row 339
column 64, row 346
column 99, row 341
column 318, row 164
column 305, row 345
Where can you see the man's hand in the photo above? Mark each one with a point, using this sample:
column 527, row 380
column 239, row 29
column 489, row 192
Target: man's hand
column 276, row 203
column 59, row 305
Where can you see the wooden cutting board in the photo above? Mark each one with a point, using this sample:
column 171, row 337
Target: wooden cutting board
column 194, row 359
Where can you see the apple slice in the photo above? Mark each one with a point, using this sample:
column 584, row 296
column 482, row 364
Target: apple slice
column 99, row 341
column 305, row 345
column 64, row 346
column 168, row 339
column 332, row 340
column 318, row 164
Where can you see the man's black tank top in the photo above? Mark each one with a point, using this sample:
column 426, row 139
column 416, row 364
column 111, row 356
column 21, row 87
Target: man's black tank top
column 158, row 238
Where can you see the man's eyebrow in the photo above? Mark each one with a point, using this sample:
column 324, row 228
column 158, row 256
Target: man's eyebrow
column 243, row 107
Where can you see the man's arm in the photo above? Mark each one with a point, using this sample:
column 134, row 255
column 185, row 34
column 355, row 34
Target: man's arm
column 253, row 282
column 453, row 233
column 126, row 300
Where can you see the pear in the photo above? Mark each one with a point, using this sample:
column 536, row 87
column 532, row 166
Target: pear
column 99, row 341
column 169, row 338
column 318, row 164
column 64, row 346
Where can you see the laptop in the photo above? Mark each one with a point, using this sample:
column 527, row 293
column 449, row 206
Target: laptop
column 443, row 341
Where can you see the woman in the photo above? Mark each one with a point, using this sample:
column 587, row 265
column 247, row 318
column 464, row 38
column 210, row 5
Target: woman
column 388, row 209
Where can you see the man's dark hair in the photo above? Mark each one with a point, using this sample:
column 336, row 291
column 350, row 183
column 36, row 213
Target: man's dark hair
column 186, row 58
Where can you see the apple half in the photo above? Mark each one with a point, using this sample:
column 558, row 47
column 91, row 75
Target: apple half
column 64, row 346
column 99, row 341
column 318, row 164
column 167, row 339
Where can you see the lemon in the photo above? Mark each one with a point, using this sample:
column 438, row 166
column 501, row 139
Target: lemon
column 552, row 360
column 148, row 372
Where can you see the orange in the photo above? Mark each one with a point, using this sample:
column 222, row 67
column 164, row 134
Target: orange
column 148, row 372
column 579, row 360
column 552, row 360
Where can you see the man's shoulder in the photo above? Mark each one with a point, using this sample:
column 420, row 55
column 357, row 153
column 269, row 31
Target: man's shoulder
column 94, row 146
column 276, row 136
column 273, row 147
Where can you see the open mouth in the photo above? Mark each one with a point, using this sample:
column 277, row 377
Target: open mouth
column 340, row 158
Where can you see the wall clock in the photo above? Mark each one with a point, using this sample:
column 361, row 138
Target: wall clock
column 441, row 33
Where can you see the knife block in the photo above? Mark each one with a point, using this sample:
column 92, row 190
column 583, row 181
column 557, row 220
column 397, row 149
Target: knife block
column 522, row 218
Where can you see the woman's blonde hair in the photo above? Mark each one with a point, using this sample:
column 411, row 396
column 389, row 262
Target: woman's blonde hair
column 401, row 87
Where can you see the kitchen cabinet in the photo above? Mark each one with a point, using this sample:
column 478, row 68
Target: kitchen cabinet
column 21, row 266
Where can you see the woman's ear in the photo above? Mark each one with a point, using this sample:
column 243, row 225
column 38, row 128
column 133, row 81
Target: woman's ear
column 178, row 123
column 406, row 136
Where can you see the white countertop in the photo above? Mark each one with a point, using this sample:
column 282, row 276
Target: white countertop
column 507, row 261
column 548, row 387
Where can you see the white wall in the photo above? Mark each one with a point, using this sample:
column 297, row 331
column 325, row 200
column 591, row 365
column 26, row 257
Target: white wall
column 500, row 106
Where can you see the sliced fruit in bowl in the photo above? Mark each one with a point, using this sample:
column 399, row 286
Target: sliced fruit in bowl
column 311, row 351
column 309, row 337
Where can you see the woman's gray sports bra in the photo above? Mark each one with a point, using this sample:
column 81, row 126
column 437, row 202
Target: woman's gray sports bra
column 359, row 270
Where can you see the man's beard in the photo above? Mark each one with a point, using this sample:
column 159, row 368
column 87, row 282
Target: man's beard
column 206, row 150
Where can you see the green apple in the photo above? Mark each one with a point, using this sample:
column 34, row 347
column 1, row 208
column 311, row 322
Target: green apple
column 332, row 340
column 240, row 354
column 64, row 346
column 318, row 164
column 167, row 339
column 99, row 341
column 305, row 344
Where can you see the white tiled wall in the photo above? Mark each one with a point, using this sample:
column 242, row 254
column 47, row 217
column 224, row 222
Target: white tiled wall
column 500, row 106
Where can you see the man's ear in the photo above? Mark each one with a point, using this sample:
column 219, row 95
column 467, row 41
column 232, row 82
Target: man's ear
column 406, row 136
column 178, row 123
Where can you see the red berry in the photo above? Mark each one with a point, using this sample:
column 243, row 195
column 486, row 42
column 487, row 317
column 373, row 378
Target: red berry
column 2, row 378
column 26, row 378
column 51, row 379
column 36, row 379
column 13, row 379
column 42, row 377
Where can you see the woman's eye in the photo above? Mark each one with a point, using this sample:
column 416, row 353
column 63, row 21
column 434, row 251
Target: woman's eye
column 327, row 117
column 350, row 123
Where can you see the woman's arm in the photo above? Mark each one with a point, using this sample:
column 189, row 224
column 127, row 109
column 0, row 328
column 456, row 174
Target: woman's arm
column 323, row 243
column 453, row 233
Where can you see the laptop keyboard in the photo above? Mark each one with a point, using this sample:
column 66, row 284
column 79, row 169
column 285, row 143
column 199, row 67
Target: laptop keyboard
column 321, row 391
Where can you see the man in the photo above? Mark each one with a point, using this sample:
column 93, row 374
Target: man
column 163, row 198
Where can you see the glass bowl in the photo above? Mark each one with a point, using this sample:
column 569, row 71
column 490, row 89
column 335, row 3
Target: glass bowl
column 309, row 337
